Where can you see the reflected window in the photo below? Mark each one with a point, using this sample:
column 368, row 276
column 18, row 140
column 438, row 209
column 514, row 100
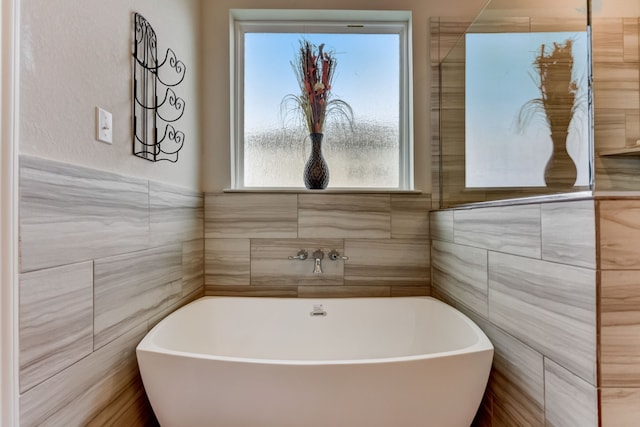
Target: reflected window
column 523, row 90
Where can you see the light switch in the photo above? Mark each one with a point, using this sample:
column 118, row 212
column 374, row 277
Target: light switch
column 104, row 126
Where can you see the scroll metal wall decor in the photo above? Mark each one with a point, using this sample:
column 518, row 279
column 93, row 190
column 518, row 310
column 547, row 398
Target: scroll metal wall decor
column 156, row 107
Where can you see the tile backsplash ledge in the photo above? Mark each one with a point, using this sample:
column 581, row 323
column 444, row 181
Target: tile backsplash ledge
column 249, row 237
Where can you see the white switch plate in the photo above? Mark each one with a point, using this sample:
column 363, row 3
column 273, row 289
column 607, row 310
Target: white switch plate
column 104, row 126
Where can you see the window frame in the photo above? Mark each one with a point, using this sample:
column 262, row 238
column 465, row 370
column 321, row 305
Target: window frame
column 243, row 21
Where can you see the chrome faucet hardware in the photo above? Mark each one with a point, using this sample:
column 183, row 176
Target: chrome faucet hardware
column 317, row 256
column 335, row 256
column 302, row 255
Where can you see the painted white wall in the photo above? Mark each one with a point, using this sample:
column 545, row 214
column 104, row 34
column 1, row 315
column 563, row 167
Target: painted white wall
column 9, row 46
column 215, row 71
column 76, row 55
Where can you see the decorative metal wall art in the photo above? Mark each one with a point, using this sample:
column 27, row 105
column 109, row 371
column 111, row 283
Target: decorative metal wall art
column 156, row 106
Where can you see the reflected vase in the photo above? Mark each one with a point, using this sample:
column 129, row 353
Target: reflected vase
column 560, row 171
column 316, row 171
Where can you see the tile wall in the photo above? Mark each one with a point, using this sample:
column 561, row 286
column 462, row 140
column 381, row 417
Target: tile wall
column 616, row 85
column 616, row 100
column 249, row 237
column 103, row 258
column 619, row 311
column 527, row 275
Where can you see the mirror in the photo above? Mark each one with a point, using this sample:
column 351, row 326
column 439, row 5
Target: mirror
column 514, row 111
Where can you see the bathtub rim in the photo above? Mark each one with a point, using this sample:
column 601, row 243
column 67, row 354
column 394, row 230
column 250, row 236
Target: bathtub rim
column 482, row 344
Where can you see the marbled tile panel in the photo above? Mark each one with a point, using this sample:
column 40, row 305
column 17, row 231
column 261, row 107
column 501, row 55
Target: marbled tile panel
column 434, row 40
column 620, row 407
column 250, row 215
column 176, row 214
column 510, row 229
column 453, row 175
column 410, row 216
column 619, row 233
column 55, row 320
column 510, row 406
column 615, row 85
column 227, row 262
column 609, row 129
column 568, row 233
column 549, row 25
column 270, row 264
column 130, row 288
column 631, row 43
column 441, row 225
column 76, row 395
column 395, row 262
column 158, row 316
column 437, row 38
column 451, row 88
column 550, row 307
column 70, row 214
column 461, row 272
column 343, row 291
column 192, row 266
column 344, row 216
column 435, row 181
column 452, row 128
column 517, row 376
column 410, row 291
column 517, row 388
column 456, row 52
column 620, row 328
column 130, row 408
column 290, row 291
column 569, row 401
column 617, row 174
column 485, row 412
column 607, row 39
column 449, row 32
column 632, row 125
column 509, row 24
column 436, row 292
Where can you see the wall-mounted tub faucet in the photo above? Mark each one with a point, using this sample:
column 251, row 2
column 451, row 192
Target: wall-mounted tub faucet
column 317, row 257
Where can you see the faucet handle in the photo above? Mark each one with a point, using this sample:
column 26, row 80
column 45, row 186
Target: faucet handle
column 318, row 254
column 302, row 255
column 335, row 256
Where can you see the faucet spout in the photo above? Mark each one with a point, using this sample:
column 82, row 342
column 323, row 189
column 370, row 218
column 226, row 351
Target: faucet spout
column 317, row 257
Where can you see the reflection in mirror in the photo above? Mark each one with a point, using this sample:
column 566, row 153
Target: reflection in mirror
column 526, row 121
column 514, row 105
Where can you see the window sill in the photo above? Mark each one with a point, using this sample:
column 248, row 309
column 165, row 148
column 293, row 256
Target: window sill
column 268, row 190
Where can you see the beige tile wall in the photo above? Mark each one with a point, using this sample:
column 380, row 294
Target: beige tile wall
column 616, row 57
column 616, row 100
column 249, row 237
column 103, row 257
column 619, row 228
column 530, row 283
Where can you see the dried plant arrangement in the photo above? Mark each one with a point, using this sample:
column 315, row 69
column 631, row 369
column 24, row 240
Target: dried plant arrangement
column 557, row 104
column 315, row 68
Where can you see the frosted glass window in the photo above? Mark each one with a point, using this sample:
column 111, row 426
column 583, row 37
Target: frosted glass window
column 274, row 145
column 499, row 79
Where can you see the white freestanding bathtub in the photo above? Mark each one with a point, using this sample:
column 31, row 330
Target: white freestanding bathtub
column 353, row 362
